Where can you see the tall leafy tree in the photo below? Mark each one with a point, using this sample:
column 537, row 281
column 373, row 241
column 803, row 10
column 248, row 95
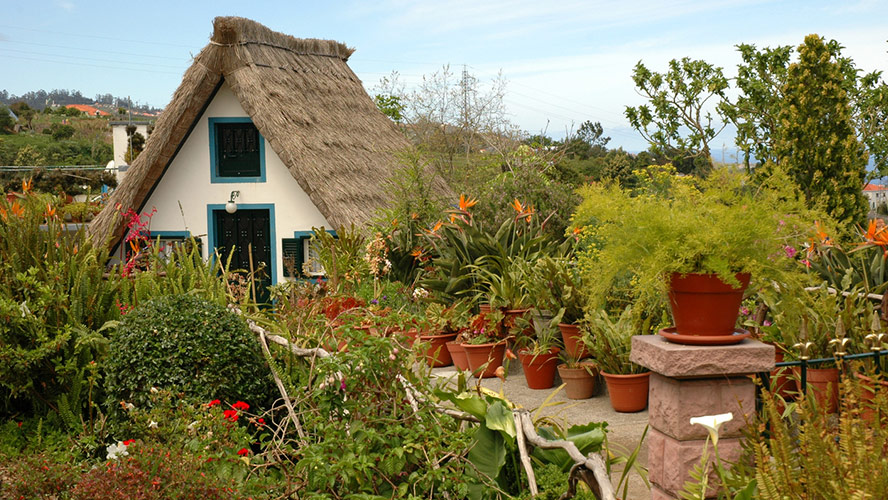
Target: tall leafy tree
column 677, row 121
column 815, row 139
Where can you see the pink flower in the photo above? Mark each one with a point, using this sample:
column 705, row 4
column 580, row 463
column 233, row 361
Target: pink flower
column 790, row 251
column 806, row 262
column 766, row 323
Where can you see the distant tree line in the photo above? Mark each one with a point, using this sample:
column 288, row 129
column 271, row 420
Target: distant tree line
column 62, row 97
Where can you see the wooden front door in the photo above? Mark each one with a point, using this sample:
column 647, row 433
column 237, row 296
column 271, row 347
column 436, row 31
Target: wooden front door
column 240, row 233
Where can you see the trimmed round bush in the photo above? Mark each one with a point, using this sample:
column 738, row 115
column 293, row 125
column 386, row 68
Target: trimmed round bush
column 189, row 346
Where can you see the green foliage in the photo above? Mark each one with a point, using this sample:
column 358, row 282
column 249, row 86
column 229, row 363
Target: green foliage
column 60, row 132
column 610, row 341
column 6, row 121
column 464, row 251
column 554, row 200
column 59, row 180
column 362, row 439
column 816, row 142
column 678, row 103
column 341, row 256
column 53, row 305
column 724, row 226
column 806, row 454
column 391, row 106
column 556, row 285
column 185, row 344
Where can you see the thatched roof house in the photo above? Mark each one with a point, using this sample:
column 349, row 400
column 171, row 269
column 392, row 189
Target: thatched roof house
column 306, row 104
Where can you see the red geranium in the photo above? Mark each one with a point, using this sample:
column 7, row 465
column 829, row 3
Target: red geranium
column 243, row 452
column 230, row 415
column 129, row 442
column 240, row 405
column 213, row 403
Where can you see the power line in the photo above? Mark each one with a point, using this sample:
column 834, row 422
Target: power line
column 90, row 58
column 90, row 65
column 114, row 38
column 92, row 50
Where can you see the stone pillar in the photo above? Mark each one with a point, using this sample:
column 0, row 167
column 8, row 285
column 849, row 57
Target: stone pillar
column 692, row 381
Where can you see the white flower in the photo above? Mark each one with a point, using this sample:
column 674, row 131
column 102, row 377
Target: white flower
column 153, row 390
column 152, row 425
column 712, row 423
column 192, row 425
column 116, row 450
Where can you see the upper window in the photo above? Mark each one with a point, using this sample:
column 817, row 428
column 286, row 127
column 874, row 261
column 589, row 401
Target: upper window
column 237, row 152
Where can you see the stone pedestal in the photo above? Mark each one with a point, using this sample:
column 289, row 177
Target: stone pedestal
column 692, row 381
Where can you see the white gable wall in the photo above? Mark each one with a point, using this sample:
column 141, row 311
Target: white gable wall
column 187, row 182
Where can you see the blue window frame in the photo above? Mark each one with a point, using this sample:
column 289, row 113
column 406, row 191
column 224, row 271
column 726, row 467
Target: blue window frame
column 213, row 238
column 235, row 151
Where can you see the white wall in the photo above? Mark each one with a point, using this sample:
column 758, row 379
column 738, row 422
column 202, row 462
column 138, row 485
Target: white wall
column 187, row 182
column 119, row 143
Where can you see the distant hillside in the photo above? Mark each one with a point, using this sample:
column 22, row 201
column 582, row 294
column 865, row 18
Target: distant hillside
column 40, row 99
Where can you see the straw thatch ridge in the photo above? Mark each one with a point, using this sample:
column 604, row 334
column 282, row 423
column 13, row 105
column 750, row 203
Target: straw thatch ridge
column 306, row 102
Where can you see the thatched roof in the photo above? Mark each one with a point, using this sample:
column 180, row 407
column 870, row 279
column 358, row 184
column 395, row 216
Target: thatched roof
column 305, row 101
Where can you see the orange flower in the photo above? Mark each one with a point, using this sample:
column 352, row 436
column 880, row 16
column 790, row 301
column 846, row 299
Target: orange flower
column 529, row 211
column 821, row 234
column 437, row 227
column 16, row 209
column 50, row 211
column 518, row 206
column 414, row 216
column 26, row 185
column 577, row 230
column 876, row 233
column 417, row 252
column 3, row 214
column 466, row 203
column 394, row 222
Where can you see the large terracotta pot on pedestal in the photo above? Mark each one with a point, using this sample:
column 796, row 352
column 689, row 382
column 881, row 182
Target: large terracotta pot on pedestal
column 539, row 370
column 579, row 382
column 705, row 309
column 573, row 341
column 436, row 353
column 628, row 393
column 484, row 359
column 458, row 355
column 824, row 383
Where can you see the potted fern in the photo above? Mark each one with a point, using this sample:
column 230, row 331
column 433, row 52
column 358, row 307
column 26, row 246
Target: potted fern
column 611, row 344
column 674, row 233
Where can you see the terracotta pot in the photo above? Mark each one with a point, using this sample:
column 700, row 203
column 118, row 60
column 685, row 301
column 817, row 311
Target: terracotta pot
column 868, row 389
column 539, row 370
column 824, row 383
column 408, row 338
column 628, row 393
column 436, row 354
column 579, row 383
column 782, row 383
column 484, row 359
column 702, row 304
column 573, row 344
column 484, row 308
column 458, row 355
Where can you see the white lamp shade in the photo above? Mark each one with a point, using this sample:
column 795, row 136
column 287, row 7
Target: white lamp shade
column 231, row 207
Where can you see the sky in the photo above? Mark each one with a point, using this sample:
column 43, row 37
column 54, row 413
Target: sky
column 565, row 61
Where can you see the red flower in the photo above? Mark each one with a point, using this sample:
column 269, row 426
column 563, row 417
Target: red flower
column 260, row 422
column 213, row 403
column 129, row 442
column 230, row 415
column 240, row 405
column 243, row 452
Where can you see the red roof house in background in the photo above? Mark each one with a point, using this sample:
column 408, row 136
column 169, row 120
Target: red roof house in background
column 90, row 110
column 876, row 194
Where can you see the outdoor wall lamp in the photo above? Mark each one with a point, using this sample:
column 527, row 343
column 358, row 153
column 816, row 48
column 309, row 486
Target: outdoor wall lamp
column 231, row 206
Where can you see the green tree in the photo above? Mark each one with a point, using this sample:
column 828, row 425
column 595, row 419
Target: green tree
column 677, row 121
column 391, row 106
column 815, row 140
column 28, row 156
column 24, row 112
column 60, row 132
column 6, row 121
column 589, row 141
